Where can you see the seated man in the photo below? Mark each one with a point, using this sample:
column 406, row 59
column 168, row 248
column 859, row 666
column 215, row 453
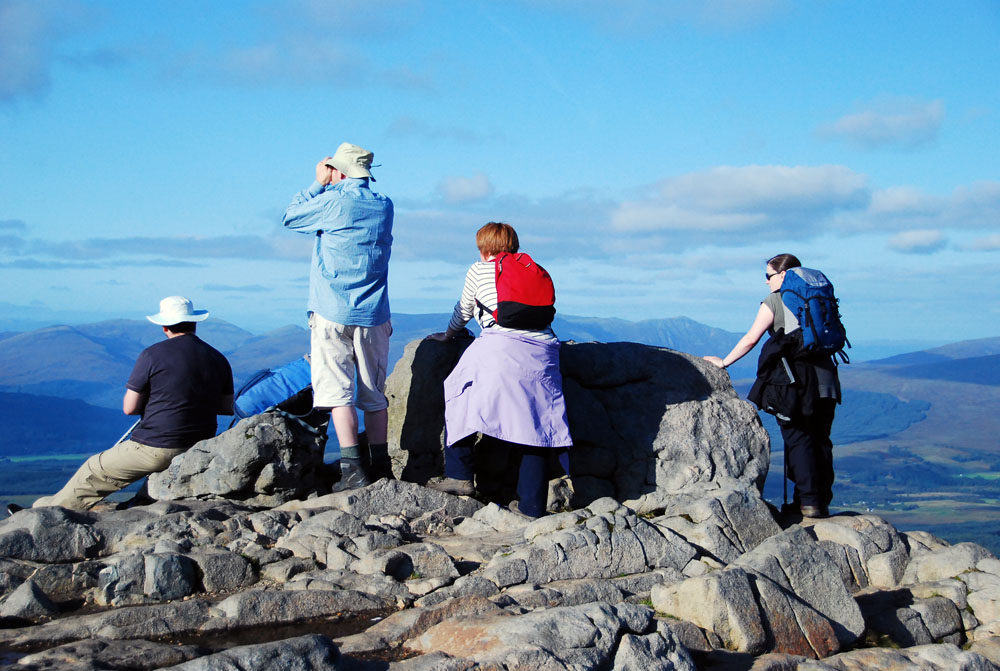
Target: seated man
column 178, row 386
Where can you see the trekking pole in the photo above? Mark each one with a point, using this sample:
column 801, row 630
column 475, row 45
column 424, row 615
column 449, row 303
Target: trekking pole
column 784, row 481
column 129, row 432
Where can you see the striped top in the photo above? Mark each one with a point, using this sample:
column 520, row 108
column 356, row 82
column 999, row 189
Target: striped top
column 481, row 285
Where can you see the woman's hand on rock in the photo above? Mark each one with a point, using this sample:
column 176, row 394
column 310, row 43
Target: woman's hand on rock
column 714, row 360
column 440, row 337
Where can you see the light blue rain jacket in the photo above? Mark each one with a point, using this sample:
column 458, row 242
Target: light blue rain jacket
column 348, row 280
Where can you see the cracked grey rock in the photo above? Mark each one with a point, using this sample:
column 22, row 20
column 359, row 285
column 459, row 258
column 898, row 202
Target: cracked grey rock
column 659, row 651
column 49, row 535
column 941, row 657
column 880, row 549
column 28, row 602
column 722, row 602
column 799, row 564
column 223, row 571
column 392, row 498
column 303, row 653
column 286, row 569
column 330, row 579
column 586, row 636
column 103, row 654
column 941, row 618
column 122, row 580
column 310, row 538
column 724, row 523
column 587, row 544
column 946, row 562
column 260, row 607
column 398, row 628
column 561, row 593
column 168, row 576
column 469, row 585
column 264, row 460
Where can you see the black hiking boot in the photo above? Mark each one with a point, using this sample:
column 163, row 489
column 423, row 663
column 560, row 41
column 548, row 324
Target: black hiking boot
column 353, row 474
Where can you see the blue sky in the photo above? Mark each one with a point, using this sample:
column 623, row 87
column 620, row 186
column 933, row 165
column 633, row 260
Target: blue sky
column 651, row 154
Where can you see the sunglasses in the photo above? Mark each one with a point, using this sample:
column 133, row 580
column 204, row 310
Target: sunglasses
column 768, row 276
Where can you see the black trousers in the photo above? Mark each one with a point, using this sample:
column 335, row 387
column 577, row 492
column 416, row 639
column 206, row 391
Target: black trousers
column 809, row 454
column 532, row 480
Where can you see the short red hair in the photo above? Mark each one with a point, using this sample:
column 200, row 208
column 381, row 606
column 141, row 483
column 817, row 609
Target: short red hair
column 496, row 237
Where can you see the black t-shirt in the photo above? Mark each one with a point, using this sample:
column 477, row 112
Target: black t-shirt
column 184, row 380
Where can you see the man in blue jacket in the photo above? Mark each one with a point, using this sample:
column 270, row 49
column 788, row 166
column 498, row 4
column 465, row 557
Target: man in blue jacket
column 348, row 307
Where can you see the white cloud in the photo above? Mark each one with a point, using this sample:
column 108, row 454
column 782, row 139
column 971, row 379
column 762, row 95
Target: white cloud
column 918, row 242
column 734, row 206
column 726, row 208
column 978, row 204
column 903, row 201
column 768, row 188
column 989, row 243
column 465, row 189
column 662, row 216
column 971, row 207
column 899, row 123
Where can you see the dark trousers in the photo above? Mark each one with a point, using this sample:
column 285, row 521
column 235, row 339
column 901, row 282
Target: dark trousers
column 532, row 477
column 809, row 454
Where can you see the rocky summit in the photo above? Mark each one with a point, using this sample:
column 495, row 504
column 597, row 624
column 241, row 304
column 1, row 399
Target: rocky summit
column 658, row 554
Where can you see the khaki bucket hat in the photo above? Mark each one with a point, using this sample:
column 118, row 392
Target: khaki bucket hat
column 352, row 160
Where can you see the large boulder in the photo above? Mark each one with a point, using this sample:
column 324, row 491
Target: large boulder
column 265, row 460
column 647, row 422
column 582, row 637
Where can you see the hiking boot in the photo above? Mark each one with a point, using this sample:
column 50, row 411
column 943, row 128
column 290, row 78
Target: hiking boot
column 14, row 508
column 453, row 486
column 352, row 475
column 815, row 512
column 515, row 507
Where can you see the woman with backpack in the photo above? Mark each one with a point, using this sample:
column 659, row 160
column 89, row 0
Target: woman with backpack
column 799, row 386
column 507, row 384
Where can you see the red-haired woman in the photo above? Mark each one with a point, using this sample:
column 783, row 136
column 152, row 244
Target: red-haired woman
column 507, row 385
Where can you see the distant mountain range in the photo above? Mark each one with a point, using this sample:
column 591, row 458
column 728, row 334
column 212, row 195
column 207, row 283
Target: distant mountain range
column 91, row 362
column 45, row 374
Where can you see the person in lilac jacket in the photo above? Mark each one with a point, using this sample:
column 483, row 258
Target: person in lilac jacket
column 507, row 385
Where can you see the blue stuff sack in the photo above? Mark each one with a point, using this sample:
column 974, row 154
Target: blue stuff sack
column 268, row 388
column 808, row 294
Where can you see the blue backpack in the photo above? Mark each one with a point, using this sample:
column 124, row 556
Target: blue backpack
column 287, row 390
column 809, row 296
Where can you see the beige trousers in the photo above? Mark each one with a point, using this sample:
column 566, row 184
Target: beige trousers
column 107, row 472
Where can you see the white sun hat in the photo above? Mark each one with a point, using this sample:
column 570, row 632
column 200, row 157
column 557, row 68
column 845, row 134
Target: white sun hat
column 177, row 309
